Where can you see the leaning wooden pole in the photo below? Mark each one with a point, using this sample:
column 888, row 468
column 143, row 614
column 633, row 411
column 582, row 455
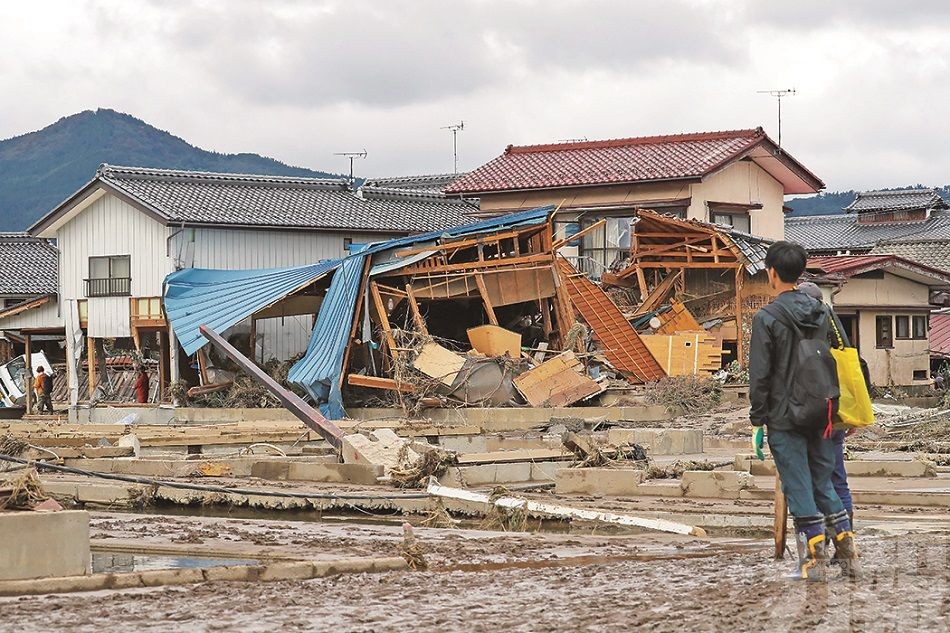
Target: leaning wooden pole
column 312, row 418
column 781, row 519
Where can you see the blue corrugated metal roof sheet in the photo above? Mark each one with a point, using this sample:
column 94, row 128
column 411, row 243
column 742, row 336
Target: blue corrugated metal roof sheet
column 320, row 370
column 222, row 298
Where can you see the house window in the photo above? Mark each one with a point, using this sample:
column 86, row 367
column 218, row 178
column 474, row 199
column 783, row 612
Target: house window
column 604, row 248
column 347, row 244
column 738, row 221
column 884, row 331
column 109, row 276
column 902, row 326
column 920, row 327
column 920, row 374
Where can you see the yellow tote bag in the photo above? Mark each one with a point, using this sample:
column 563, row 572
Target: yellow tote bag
column 854, row 405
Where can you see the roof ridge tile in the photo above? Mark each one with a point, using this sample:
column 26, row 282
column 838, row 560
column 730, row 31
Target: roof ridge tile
column 753, row 133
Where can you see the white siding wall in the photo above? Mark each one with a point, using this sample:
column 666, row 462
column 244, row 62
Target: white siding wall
column 45, row 316
column 112, row 227
column 250, row 248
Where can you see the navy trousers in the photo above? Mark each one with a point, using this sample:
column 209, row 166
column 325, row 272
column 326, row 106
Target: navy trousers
column 806, row 463
column 839, row 478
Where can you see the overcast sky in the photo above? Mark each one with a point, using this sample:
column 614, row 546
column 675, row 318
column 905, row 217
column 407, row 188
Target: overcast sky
column 300, row 80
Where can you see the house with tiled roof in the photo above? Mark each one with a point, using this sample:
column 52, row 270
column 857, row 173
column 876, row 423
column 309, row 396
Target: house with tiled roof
column 879, row 222
column 735, row 178
column 121, row 234
column 885, row 304
column 29, row 269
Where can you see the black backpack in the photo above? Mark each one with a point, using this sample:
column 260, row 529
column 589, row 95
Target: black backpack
column 813, row 377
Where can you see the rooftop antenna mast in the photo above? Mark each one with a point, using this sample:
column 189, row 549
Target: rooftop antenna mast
column 352, row 156
column 779, row 94
column 456, row 128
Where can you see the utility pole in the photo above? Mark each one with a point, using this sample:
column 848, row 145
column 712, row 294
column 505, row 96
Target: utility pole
column 458, row 127
column 779, row 94
column 352, row 156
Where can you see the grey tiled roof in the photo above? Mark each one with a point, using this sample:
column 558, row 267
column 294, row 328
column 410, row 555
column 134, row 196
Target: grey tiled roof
column 277, row 202
column 428, row 182
column 930, row 252
column 752, row 247
column 897, row 200
column 28, row 265
column 844, row 232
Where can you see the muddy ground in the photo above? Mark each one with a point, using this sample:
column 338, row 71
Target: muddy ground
column 490, row 582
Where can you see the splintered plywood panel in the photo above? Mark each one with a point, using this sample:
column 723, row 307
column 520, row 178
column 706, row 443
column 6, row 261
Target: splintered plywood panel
column 557, row 382
column 619, row 341
column 685, row 353
column 437, row 362
column 493, row 340
column 677, row 319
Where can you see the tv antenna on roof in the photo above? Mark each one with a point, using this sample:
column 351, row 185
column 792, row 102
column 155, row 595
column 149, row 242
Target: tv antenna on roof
column 352, row 156
column 456, row 128
column 778, row 94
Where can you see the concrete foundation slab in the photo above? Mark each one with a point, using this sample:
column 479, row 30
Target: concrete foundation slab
column 659, row 441
column 44, row 544
column 718, row 484
column 597, row 481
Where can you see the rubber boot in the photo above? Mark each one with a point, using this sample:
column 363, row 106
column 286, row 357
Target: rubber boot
column 812, row 551
column 846, row 550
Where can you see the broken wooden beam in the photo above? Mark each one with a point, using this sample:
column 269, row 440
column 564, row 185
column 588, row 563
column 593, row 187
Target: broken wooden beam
column 312, row 418
column 376, row 382
column 564, row 512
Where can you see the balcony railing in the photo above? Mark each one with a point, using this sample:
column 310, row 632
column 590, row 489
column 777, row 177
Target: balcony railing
column 109, row 287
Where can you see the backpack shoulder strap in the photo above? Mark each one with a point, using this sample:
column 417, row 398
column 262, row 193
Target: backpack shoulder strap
column 781, row 314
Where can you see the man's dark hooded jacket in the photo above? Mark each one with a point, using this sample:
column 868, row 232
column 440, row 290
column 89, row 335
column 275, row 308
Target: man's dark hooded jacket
column 770, row 356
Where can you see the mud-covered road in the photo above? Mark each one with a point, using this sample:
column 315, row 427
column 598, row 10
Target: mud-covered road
column 690, row 587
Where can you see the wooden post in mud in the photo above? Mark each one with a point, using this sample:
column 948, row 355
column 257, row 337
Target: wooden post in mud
column 781, row 519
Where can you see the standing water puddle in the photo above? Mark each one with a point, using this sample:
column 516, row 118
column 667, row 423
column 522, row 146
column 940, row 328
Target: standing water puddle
column 123, row 562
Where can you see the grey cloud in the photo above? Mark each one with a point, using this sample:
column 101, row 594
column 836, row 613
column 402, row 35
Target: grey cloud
column 398, row 53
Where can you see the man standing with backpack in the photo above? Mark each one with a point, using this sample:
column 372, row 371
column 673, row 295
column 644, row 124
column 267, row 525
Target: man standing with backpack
column 793, row 388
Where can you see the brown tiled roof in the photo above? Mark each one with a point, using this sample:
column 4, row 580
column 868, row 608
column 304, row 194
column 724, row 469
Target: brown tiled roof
column 628, row 160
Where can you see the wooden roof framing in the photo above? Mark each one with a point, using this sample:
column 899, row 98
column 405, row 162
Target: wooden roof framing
column 662, row 241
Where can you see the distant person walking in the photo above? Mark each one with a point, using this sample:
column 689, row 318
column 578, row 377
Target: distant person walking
column 793, row 388
column 141, row 386
column 43, row 388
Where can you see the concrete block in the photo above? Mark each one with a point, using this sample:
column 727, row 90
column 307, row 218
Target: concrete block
column 236, row 573
column 660, row 441
column 361, row 474
column 715, row 484
column 131, row 441
column 43, row 544
column 287, row 570
column 597, row 481
column 162, row 577
column 383, row 448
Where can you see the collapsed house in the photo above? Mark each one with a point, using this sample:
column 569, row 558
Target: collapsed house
column 489, row 313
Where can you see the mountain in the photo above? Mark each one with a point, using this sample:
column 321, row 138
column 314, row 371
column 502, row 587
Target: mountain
column 831, row 202
column 41, row 169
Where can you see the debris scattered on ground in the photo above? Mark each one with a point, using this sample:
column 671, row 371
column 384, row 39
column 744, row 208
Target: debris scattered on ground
column 434, row 462
column 411, row 550
column 592, row 451
column 677, row 468
column 689, row 394
column 22, row 492
column 500, row 518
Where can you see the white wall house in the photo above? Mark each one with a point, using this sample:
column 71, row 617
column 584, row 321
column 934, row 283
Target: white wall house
column 127, row 229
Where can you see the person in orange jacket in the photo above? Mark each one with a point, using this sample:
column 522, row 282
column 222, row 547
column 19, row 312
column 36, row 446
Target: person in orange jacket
column 43, row 388
column 141, row 386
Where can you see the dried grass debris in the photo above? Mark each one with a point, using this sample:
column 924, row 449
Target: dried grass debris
column 689, row 394
column 677, row 468
column 504, row 519
column 434, row 462
column 22, row 492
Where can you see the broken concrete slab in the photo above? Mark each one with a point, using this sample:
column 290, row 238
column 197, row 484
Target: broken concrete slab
column 359, row 474
column 717, row 484
column 659, row 441
column 44, row 544
column 382, row 448
column 597, row 481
